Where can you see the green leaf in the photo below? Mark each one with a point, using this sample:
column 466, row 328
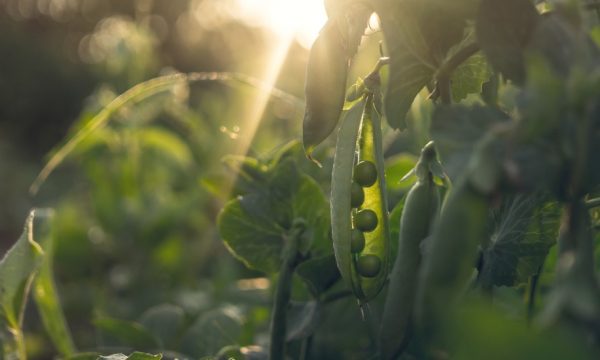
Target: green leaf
column 212, row 331
column 164, row 322
column 17, row 269
column 46, row 296
column 469, row 77
column 418, row 34
column 396, row 167
column 253, row 226
column 504, row 28
column 457, row 129
column 525, row 229
column 251, row 174
column 165, row 143
column 407, row 73
column 303, row 319
column 138, row 93
column 320, row 274
column 126, row 332
column 562, row 44
column 250, row 234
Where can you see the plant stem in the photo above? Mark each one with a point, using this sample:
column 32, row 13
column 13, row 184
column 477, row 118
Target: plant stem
column 442, row 77
column 19, row 342
column 282, row 296
column 444, row 89
column 457, row 59
column 533, row 283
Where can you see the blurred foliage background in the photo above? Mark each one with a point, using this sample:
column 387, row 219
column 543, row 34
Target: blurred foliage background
column 135, row 227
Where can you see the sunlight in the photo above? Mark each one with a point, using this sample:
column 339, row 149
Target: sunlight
column 290, row 20
column 268, row 76
column 299, row 19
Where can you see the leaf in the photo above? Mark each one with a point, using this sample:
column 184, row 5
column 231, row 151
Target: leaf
column 17, row 269
column 469, row 77
column 325, row 86
column 46, row 296
column 525, row 229
column 396, row 167
column 137, row 93
column 407, row 73
column 303, row 319
column 165, row 143
column 418, row 34
column 457, row 129
column 126, row 332
column 504, row 28
column 253, row 226
column 212, row 331
column 250, row 234
column 250, row 173
column 319, row 273
column 164, row 322
column 562, row 45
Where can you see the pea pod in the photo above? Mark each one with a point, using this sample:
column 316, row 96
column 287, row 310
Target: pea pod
column 359, row 140
column 449, row 262
column 328, row 67
column 420, row 209
column 325, row 86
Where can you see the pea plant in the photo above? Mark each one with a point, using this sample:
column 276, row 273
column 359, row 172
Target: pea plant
column 508, row 172
column 481, row 245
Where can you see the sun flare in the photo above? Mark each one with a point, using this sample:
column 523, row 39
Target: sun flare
column 299, row 19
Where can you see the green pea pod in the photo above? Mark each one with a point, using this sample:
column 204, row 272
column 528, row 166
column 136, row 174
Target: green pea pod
column 366, row 270
column 449, row 262
column 420, row 209
column 325, row 86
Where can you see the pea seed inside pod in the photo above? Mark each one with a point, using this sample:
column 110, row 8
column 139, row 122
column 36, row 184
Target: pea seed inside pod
column 368, row 265
column 357, row 241
column 365, row 173
column 365, row 220
column 357, row 195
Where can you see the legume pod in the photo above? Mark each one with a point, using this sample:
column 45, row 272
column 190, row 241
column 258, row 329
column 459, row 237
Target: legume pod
column 359, row 140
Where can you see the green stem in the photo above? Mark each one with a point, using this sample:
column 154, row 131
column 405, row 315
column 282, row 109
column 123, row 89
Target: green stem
column 442, row 77
column 282, row 296
column 444, row 89
column 457, row 59
column 19, row 342
column 533, row 284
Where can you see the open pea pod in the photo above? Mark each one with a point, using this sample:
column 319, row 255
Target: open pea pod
column 359, row 217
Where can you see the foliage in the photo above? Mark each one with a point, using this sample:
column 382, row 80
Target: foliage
column 171, row 241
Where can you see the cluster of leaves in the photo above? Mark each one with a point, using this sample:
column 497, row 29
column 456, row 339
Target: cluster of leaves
column 513, row 107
